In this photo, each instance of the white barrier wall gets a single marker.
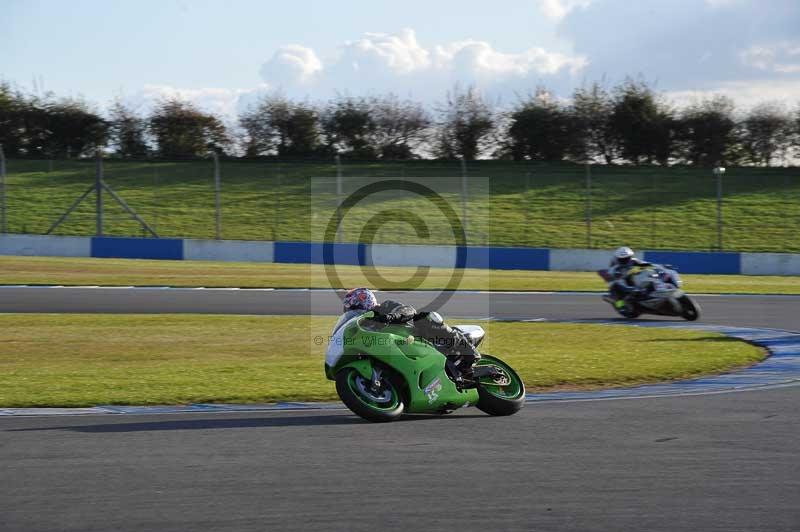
(46, 246)
(229, 250)
(579, 260)
(389, 255)
(770, 264)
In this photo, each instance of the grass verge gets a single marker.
(126, 272)
(89, 359)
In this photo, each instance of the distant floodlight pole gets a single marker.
(719, 171)
(217, 199)
(3, 226)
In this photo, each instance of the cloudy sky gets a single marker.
(223, 54)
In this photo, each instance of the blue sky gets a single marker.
(223, 54)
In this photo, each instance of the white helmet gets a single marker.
(623, 254)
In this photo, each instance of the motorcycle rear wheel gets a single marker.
(496, 399)
(355, 392)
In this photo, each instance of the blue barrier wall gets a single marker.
(519, 259)
(507, 258)
(137, 248)
(318, 253)
(698, 261)
(499, 258)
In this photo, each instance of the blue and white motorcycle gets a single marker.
(657, 291)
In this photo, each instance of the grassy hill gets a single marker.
(509, 204)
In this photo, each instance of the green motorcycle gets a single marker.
(382, 371)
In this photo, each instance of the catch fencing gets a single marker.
(501, 203)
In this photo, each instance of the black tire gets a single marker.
(690, 310)
(501, 404)
(630, 311)
(347, 386)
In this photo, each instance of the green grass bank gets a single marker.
(508, 204)
(91, 359)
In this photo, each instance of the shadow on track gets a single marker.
(207, 424)
(712, 339)
(242, 423)
(633, 321)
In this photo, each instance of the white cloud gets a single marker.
(558, 9)
(480, 59)
(291, 65)
(781, 58)
(399, 53)
(383, 63)
(399, 63)
(746, 94)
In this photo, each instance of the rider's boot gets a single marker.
(461, 360)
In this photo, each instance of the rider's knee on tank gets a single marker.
(449, 341)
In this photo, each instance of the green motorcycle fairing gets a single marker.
(427, 387)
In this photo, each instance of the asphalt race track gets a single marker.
(780, 312)
(723, 462)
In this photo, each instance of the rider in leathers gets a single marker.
(428, 325)
(621, 265)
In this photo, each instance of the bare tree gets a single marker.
(278, 126)
(592, 135)
(796, 133)
(181, 130)
(466, 121)
(766, 133)
(539, 129)
(708, 131)
(400, 126)
(12, 120)
(349, 127)
(127, 131)
(645, 126)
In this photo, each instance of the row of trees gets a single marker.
(632, 123)
(626, 123)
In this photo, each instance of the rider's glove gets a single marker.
(394, 312)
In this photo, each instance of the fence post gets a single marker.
(588, 206)
(464, 197)
(98, 191)
(654, 196)
(3, 220)
(527, 199)
(719, 171)
(276, 195)
(338, 198)
(217, 199)
(156, 202)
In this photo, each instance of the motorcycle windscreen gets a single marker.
(336, 344)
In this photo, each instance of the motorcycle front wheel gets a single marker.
(690, 310)
(502, 395)
(630, 311)
(358, 394)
